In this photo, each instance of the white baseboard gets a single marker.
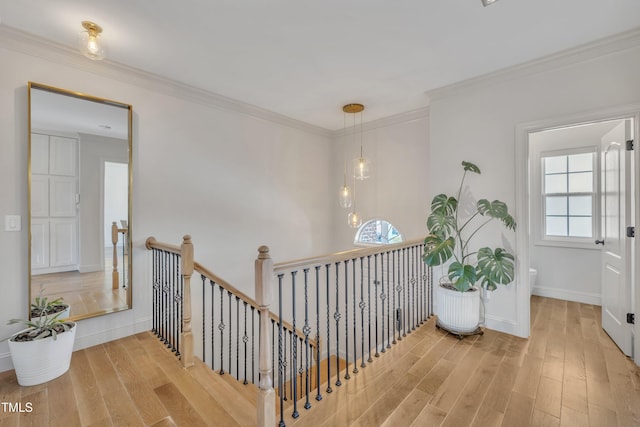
(501, 324)
(90, 268)
(567, 295)
(85, 341)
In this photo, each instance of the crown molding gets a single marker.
(406, 117)
(30, 44)
(606, 46)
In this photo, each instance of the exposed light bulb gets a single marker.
(92, 44)
(354, 220)
(361, 168)
(90, 41)
(345, 196)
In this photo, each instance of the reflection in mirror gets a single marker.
(79, 201)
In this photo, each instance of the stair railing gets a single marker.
(358, 302)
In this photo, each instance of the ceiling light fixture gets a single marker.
(361, 168)
(361, 165)
(90, 40)
(486, 3)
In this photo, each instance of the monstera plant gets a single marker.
(450, 238)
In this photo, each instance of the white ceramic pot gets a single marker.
(458, 311)
(39, 361)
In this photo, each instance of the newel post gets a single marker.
(266, 404)
(115, 275)
(186, 336)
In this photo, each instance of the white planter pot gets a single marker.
(458, 311)
(39, 361)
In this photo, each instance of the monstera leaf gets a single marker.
(463, 276)
(497, 210)
(442, 220)
(495, 267)
(438, 250)
(468, 166)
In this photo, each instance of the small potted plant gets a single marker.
(42, 306)
(469, 270)
(42, 351)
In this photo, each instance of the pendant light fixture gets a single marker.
(361, 164)
(90, 41)
(361, 168)
(345, 191)
(354, 219)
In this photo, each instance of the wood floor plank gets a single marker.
(519, 410)
(39, 416)
(543, 419)
(91, 406)
(63, 411)
(141, 393)
(549, 396)
(572, 418)
(429, 416)
(529, 376)
(182, 413)
(599, 416)
(121, 409)
(408, 410)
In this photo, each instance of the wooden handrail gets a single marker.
(340, 256)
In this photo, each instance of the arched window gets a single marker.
(377, 232)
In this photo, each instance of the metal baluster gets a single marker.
(213, 334)
(230, 330)
(346, 315)
(154, 276)
(280, 355)
(369, 305)
(253, 344)
(405, 312)
(355, 319)
(318, 395)
(306, 331)
(292, 369)
(221, 327)
(375, 299)
(362, 307)
(394, 321)
(383, 298)
(399, 288)
(245, 339)
(238, 338)
(336, 316)
(294, 347)
(284, 366)
(329, 389)
(300, 368)
(416, 290)
(389, 292)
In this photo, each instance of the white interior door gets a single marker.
(616, 213)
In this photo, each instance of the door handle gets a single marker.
(599, 242)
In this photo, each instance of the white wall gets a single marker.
(94, 150)
(477, 121)
(398, 187)
(231, 180)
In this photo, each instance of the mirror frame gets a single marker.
(129, 108)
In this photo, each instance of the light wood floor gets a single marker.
(86, 293)
(568, 373)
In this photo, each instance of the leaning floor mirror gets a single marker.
(80, 183)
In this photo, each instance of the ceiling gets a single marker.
(306, 59)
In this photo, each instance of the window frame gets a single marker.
(569, 241)
(358, 243)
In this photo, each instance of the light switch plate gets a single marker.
(12, 223)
